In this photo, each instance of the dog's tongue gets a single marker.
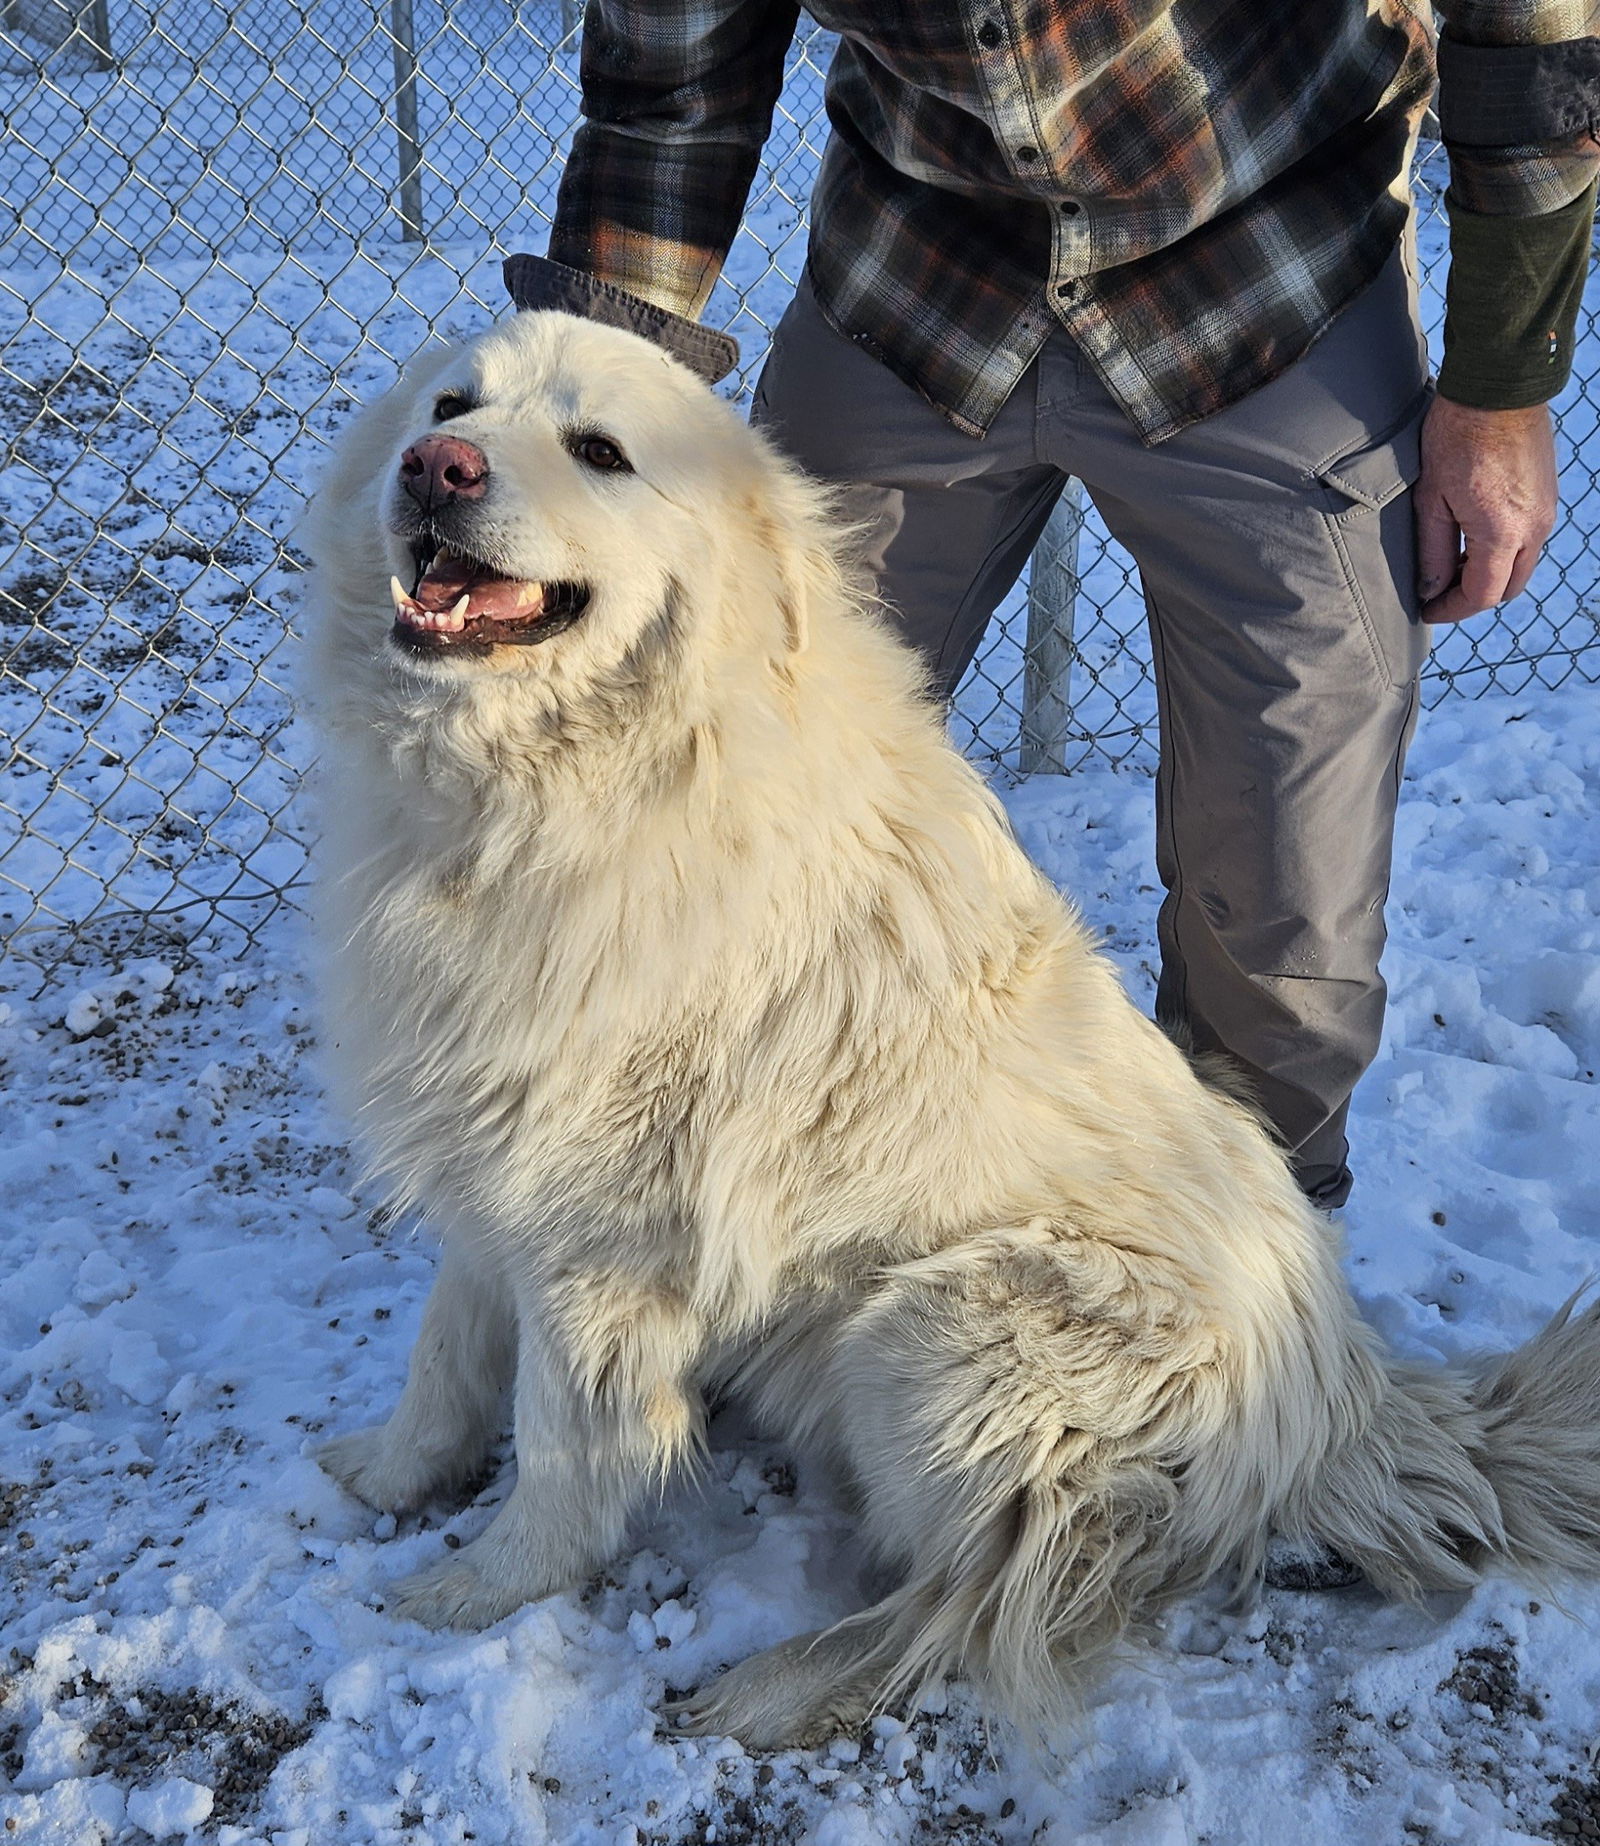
(491, 597)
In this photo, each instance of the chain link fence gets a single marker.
(222, 226)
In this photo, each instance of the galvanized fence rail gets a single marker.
(221, 226)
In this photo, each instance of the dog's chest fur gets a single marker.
(595, 1050)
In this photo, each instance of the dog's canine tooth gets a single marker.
(457, 617)
(408, 610)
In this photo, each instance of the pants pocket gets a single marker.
(1368, 513)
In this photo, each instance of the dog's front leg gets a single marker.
(603, 1410)
(447, 1416)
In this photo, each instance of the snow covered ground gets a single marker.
(191, 1293)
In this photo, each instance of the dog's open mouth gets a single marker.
(458, 602)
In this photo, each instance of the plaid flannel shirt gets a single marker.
(1193, 188)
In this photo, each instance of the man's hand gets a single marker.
(1488, 484)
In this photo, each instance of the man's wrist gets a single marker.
(1510, 416)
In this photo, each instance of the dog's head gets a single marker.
(538, 497)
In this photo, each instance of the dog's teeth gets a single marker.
(458, 614)
(406, 607)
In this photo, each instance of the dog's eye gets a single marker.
(601, 452)
(451, 404)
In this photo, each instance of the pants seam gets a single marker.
(1352, 584)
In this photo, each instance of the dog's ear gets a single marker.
(800, 529)
(785, 559)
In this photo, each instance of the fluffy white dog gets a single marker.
(699, 994)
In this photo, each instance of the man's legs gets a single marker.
(1275, 545)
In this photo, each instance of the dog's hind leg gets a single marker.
(602, 1413)
(447, 1415)
(1022, 1410)
(1017, 1413)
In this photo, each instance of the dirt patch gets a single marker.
(1575, 1812)
(1490, 1677)
(142, 1735)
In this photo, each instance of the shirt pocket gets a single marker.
(1367, 508)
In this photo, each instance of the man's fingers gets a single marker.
(1438, 546)
(1486, 570)
(1488, 480)
(1452, 606)
(1486, 578)
(1522, 571)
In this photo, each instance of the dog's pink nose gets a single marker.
(440, 468)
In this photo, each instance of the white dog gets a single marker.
(698, 992)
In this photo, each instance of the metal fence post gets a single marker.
(1053, 586)
(61, 23)
(98, 14)
(403, 35)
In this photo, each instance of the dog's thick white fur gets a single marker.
(697, 991)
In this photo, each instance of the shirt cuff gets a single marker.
(535, 282)
(1518, 95)
(1512, 301)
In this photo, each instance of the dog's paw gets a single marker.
(779, 1700)
(364, 1464)
(457, 1593)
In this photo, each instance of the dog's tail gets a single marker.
(1429, 1478)
(1461, 1473)
(1011, 1415)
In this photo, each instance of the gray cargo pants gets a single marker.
(1274, 541)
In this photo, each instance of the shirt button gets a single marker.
(989, 35)
(1070, 208)
(1026, 154)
